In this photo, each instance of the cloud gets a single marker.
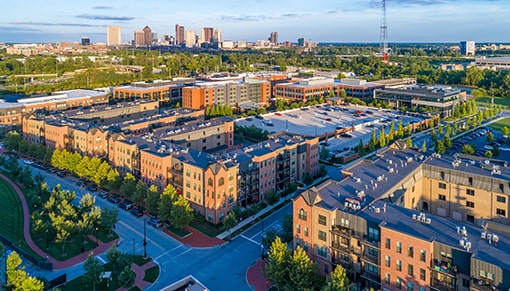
(102, 7)
(56, 24)
(14, 29)
(293, 15)
(104, 17)
(244, 17)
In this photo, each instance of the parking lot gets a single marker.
(321, 120)
(478, 139)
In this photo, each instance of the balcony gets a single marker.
(483, 285)
(345, 248)
(366, 240)
(345, 262)
(444, 267)
(371, 276)
(367, 257)
(443, 286)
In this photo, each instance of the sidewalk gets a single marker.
(140, 274)
(255, 276)
(196, 238)
(57, 265)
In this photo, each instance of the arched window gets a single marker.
(210, 181)
(302, 214)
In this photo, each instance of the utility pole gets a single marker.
(144, 238)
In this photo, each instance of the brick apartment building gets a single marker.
(390, 226)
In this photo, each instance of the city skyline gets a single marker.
(322, 21)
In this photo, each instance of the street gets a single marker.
(219, 268)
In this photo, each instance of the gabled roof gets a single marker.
(311, 196)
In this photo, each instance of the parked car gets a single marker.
(61, 174)
(259, 116)
(91, 188)
(155, 222)
(126, 204)
(137, 212)
(102, 194)
(345, 135)
(113, 199)
(278, 114)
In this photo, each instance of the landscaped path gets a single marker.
(101, 248)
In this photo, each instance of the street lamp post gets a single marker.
(47, 243)
(97, 239)
(144, 238)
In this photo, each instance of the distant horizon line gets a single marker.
(295, 42)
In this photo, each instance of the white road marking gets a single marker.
(245, 237)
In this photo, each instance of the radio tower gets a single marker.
(384, 28)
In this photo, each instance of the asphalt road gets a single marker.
(219, 268)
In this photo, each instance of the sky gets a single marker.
(27, 21)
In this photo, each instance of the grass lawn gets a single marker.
(182, 233)
(72, 248)
(500, 124)
(140, 261)
(11, 224)
(485, 101)
(207, 228)
(151, 274)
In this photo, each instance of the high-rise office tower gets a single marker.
(179, 34)
(273, 37)
(191, 38)
(85, 41)
(113, 35)
(139, 38)
(206, 34)
(467, 48)
(217, 37)
(301, 41)
(147, 35)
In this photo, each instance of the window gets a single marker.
(399, 247)
(482, 274)
(322, 235)
(387, 278)
(302, 214)
(326, 268)
(387, 261)
(470, 204)
(442, 175)
(399, 265)
(306, 230)
(410, 251)
(399, 283)
(501, 212)
(470, 218)
(373, 269)
(388, 243)
(490, 276)
(410, 270)
(305, 246)
(210, 181)
(423, 255)
(442, 186)
(373, 233)
(501, 199)
(470, 181)
(470, 192)
(221, 181)
(373, 252)
(423, 276)
(298, 228)
(409, 286)
(322, 219)
(442, 197)
(322, 251)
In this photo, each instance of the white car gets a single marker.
(488, 147)
(504, 149)
(28, 162)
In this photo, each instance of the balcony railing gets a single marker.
(443, 286)
(376, 278)
(482, 285)
(370, 258)
(444, 267)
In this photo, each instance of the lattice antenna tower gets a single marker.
(384, 31)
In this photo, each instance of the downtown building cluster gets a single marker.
(404, 220)
(178, 147)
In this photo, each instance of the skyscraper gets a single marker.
(85, 41)
(217, 37)
(273, 38)
(301, 41)
(191, 38)
(113, 36)
(139, 38)
(467, 48)
(179, 34)
(206, 34)
(147, 35)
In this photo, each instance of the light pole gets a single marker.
(97, 239)
(262, 242)
(144, 238)
(47, 243)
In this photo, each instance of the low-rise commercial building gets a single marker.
(162, 90)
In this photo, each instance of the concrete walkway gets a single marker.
(57, 265)
(140, 274)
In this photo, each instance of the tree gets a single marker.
(127, 277)
(373, 141)
(229, 222)
(440, 147)
(324, 153)
(391, 133)
(468, 149)
(118, 259)
(360, 148)
(166, 202)
(447, 141)
(490, 137)
(409, 142)
(505, 130)
(268, 237)
(182, 213)
(400, 129)
(17, 277)
(128, 185)
(272, 197)
(277, 268)
(109, 216)
(488, 154)
(152, 198)
(424, 146)
(92, 270)
(302, 270)
(140, 192)
(337, 280)
(287, 228)
(113, 180)
(382, 137)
